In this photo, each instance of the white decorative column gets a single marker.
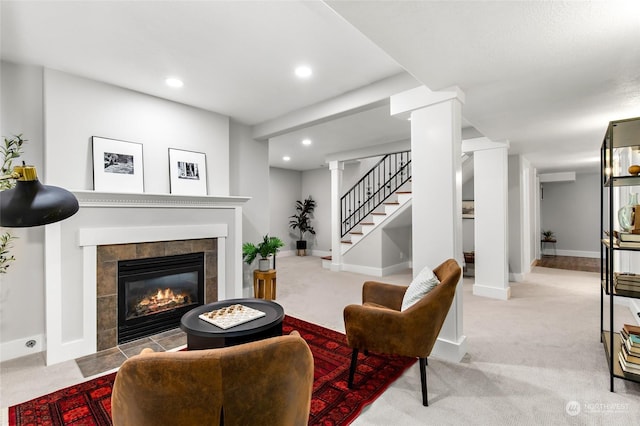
(436, 166)
(490, 169)
(336, 167)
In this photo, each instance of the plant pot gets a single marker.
(263, 264)
(301, 247)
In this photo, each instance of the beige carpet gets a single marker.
(528, 357)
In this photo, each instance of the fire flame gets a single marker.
(162, 299)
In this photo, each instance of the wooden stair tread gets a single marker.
(326, 258)
(367, 223)
(346, 242)
(356, 233)
(391, 203)
(403, 192)
(379, 213)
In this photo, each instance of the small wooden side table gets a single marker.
(264, 284)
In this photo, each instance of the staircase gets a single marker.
(381, 192)
(396, 202)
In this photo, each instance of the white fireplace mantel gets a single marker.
(115, 218)
(121, 199)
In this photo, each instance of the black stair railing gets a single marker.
(389, 174)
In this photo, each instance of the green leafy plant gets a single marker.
(11, 150)
(548, 235)
(267, 247)
(301, 221)
(5, 257)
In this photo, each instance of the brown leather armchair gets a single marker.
(378, 325)
(263, 382)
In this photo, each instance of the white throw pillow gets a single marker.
(422, 284)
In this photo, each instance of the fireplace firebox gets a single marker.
(154, 293)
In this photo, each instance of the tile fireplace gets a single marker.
(145, 288)
(81, 255)
(154, 293)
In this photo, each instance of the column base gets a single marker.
(450, 351)
(492, 292)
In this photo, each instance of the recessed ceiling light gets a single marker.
(306, 142)
(286, 158)
(303, 71)
(174, 82)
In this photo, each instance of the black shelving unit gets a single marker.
(622, 137)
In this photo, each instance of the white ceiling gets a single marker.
(546, 76)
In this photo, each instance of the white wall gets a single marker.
(571, 210)
(355, 170)
(59, 113)
(534, 214)
(317, 184)
(515, 222)
(285, 187)
(77, 109)
(249, 175)
(396, 246)
(22, 112)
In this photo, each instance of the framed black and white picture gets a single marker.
(117, 165)
(187, 172)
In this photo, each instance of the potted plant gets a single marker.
(267, 247)
(301, 221)
(548, 235)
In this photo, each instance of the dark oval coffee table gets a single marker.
(204, 335)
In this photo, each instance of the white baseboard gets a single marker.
(286, 253)
(18, 348)
(397, 268)
(492, 292)
(516, 277)
(318, 253)
(359, 269)
(376, 271)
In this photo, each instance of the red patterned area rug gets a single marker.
(332, 403)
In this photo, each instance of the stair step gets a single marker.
(356, 233)
(346, 242)
(326, 258)
(403, 192)
(379, 213)
(367, 223)
(391, 203)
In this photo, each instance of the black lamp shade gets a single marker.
(31, 203)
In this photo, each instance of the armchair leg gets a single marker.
(423, 379)
(352, 368)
